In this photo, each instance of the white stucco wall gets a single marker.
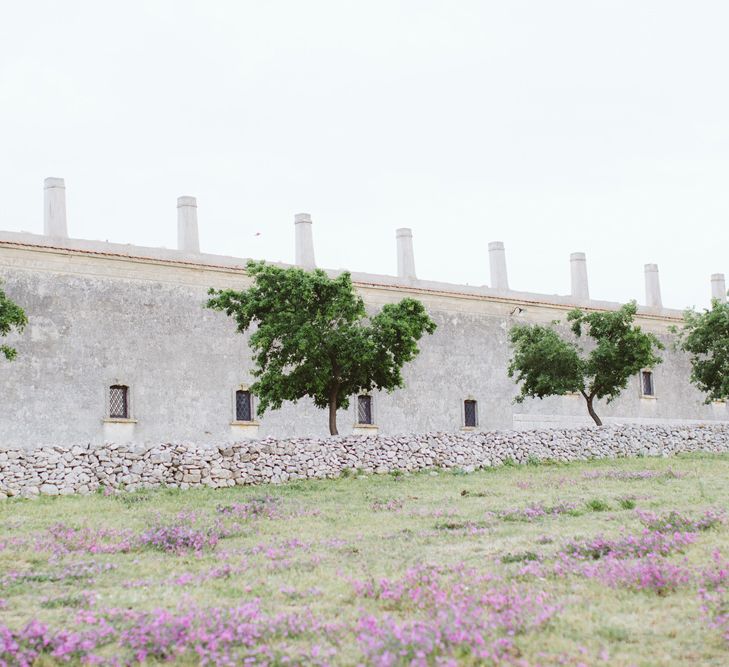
(103, 314)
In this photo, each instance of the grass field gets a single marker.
(608, 562)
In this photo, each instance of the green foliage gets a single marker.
(312, 337)
(621, 349)
(73, 601)
(597, 505)
(548, 365)
(627, 503)
(520, 557)
(11, 316)
(705, 337)
(544, 363)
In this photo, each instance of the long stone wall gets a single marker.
(84, 469)
(98, 320)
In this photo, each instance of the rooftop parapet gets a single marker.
(56, 238)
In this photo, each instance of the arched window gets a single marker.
(243, 406)
(119, 401)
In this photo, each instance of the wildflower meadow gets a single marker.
(622, 562)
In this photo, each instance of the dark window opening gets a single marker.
(243, 407)
(364, 409)
(469, 414)
(647, 382)
(118, 402)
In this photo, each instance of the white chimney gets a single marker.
(718, 287)
(405, 254)
(497, 264)
(304, 241)
(578, 276)
(652, 287)
(187, 234)
(54, 208)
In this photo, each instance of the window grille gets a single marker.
(364, 409)
(243, 407)
(647, 383)
(469, 414)
(118, 402)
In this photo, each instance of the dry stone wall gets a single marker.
(83, 469)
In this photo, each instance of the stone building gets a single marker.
(120, 348)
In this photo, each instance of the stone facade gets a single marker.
(104, 315)
(67, 470)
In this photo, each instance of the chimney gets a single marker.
(304, 241)
(718, 287)
(497, 264)
(54, 208)
(578, 276)
(652, 287)
(405, 254)
(187, 236)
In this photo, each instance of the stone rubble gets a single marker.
(83, 469)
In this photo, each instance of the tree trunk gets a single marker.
(333, 411)
(591, 409)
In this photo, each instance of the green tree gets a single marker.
(11, 317)
(312, 337)
(548, 365)
(705, 337)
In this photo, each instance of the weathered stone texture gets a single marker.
(104, 314)
(83, 469)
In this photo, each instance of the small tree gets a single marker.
(548, 365)
(705, 337)
(11, 316)
(313, 337)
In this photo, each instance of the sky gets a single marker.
(593, 126)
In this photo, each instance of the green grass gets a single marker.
(345, 534)
(597, 505)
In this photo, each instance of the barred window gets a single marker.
(364, 409)
(243, 406)
(469, 413)
(118, 401)
(646, 380)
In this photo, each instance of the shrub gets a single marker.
(474, 494)
(178, 538)
(651, 573)
(675, 521)
(597, 505)
(394, 505)
(519, 557)
(626, 503)
(453, 612)
(266, 507)
(538, 511)
(630, 546)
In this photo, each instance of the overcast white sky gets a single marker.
(556, 127)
